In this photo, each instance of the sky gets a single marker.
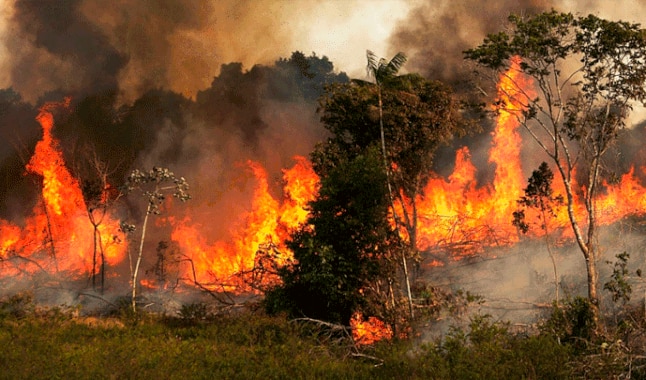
(183, 48)
(181, 45)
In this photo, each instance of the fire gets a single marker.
(456, 212)
(369, 331)
(268, 221)
(457, 215)
(59, 227)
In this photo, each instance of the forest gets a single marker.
(292, 221)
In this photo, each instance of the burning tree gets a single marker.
(99, 196)
(153, 185)
(588, 72)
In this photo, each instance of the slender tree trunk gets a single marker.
(550, 252)
(139, 255)
(51, 237)
(94, 263)
(585, 243)
(102, 256)
(392, 200)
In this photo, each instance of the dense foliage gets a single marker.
(344, 250)
(349, 253)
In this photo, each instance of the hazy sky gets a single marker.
(181, 44)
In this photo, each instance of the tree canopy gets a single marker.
(349, 255)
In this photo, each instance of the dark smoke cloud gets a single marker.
(87, 46)
(64, 50)
(435, 34)
(266, 114)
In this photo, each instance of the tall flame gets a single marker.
(268, 221)
(59, 226)
(455, 213)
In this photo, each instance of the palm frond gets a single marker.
(395, 64)
(373, 64)
(381, 68)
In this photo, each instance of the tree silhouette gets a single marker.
(153, 185)
(539, 196)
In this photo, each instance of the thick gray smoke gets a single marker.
(516, 283)
(65, 50)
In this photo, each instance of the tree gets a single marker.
(413, 117)
(153, 185)
(540, 196)
(301, 77)
(343, 250)
(382, 70)
(587, 73)
(99, 195)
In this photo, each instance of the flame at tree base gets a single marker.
(455, 215)
(369, 331)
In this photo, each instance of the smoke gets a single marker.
(85, 46)
(65, 51)
(435, 34)
(517, 283)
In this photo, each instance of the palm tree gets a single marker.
(382, 70)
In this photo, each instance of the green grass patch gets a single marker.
(54, 345)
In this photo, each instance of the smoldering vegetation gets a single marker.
(517, 283)
(266, 114)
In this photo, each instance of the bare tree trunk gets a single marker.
(139, 255)
(94, 247)
(102, 256)
(551, 253)
(392, 200)
(51, 237)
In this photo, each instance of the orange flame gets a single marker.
(454, 213)
(268, 220)
(369, 331)
(457, 214)
(59, 227)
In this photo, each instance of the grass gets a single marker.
(52, 344)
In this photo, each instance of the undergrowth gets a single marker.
(195, 344)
